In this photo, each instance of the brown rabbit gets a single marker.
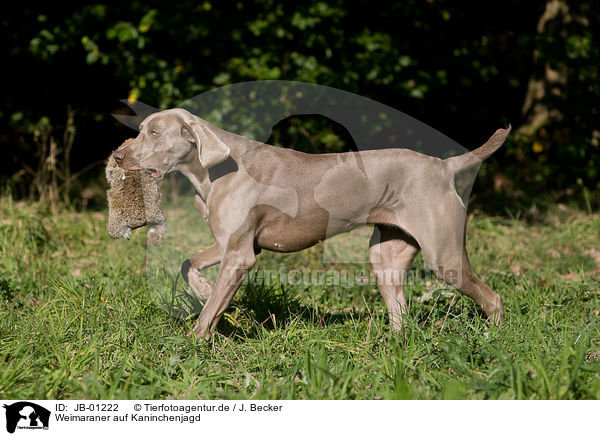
(133, 202)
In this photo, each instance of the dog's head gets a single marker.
(167, 139)
(133, 202)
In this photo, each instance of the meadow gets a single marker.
(83, 316)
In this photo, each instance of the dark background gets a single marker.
(464, 68)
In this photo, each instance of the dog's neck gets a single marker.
(203, 178)
(197, 175)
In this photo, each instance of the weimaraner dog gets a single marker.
(256, 196)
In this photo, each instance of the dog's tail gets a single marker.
(472, 158)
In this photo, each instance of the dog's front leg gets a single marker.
(190, 270)
(234, 268)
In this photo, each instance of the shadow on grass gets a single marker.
(258, 306)
(273, 306)
(261, 306)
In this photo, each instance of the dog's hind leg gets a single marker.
(443, 245)
(391, 252)
(460, 274)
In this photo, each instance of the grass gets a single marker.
(85, 316)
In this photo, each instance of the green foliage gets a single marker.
(464, 71)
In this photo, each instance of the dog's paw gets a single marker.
(202, 333)
(201, 287)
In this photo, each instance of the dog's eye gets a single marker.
(154, 132)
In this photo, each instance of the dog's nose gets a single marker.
(119, 156)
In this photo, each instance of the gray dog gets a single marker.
(256, 196)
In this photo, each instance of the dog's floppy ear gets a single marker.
(211, 150)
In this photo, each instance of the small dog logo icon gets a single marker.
(26, 415)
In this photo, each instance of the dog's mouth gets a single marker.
(154, 173)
